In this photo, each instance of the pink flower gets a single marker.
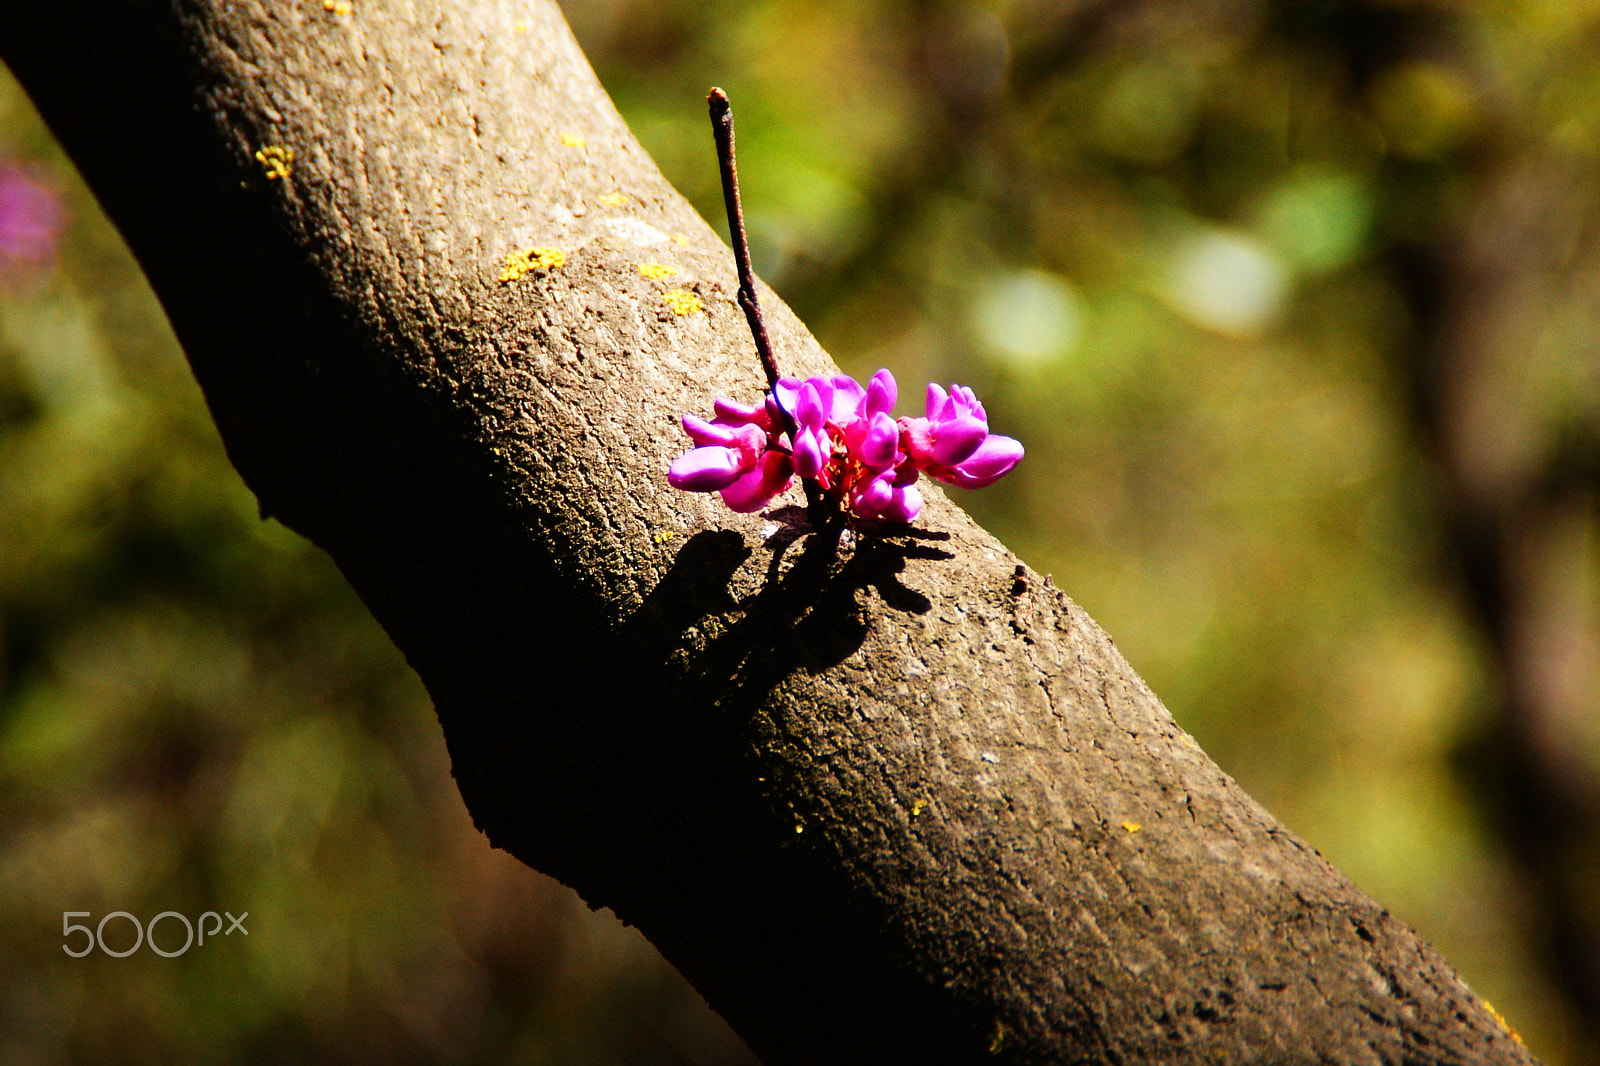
(724, 454)
(953, 443)
(31, 218)
(756, 488)
(812, 445)
(991, 461)
(846, 440)
(732, 458)
(890, 495)
(956, 425)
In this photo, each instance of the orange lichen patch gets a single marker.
(520, 264)
(1132, 827)
(918, 807)
(338, 7)
(613, 199)
(1497, 1016)
(663, 537)
(678, 238)
(574, 140)
(682, 302)
(657, 271)
(275, 161)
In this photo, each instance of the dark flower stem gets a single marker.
(822, 514)
(722, 130)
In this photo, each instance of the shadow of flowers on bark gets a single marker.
(727, 652)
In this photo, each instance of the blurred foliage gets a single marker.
(1202, 258)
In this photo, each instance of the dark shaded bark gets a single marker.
(895, 801)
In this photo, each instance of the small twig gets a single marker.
(722, 130)
(818, 507)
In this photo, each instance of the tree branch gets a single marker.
(905, 804)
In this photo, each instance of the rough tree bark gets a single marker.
(898, 803)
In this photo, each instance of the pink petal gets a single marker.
(966, 400)
(871, 498)
(918, 436)
(881, 442)
(749, 442)
(705, 469)
(735, 414)
(702, 432)
(992, 461)
(809, 409)
(785, 393)
(956, 440)
(756, 488)
(809, 453)
(892, 496)
(847, 396)
(904, 505)
(881, 394)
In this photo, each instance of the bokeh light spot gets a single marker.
(1029, 316)
(1318, 220)
(1425, 110)
(1227, 283)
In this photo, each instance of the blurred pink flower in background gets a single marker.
(31, 219)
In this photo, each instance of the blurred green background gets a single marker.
(1295, 305)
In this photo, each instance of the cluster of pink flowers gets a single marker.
(847, 442)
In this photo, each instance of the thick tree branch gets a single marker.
(905, 803)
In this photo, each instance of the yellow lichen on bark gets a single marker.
(682, 302)
(1497, 1016)
(275, 160)
(520, 264)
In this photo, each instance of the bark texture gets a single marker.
(900, 801)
